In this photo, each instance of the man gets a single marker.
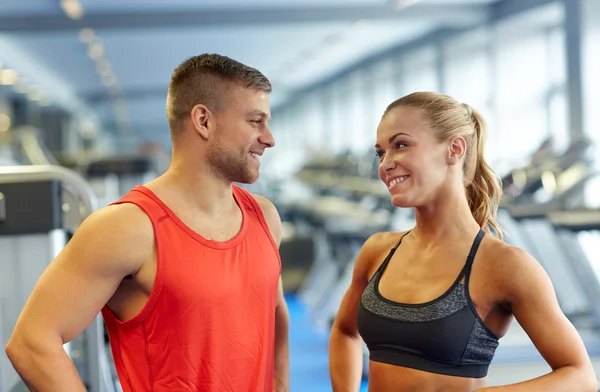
(185, 269)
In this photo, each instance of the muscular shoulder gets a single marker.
(267, 207)
(513, 270)
(120, 234)
(123, 219)
(271, 216)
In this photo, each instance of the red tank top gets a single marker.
(209, 323)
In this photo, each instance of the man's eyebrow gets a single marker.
(259, 113)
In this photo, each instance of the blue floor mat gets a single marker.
(308, 352)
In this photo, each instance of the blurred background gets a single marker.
(82, 120)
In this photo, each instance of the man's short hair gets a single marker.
(202, 79)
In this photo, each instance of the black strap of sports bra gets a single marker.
(466, 269)
(391, 253)
(472, 254)
(399, 241)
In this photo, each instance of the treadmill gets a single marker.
(527, 219)
(112, 177)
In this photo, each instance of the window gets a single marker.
(591, 76)
(335, 117)
(382, 91)
(419, 71)
(523, 87)
(357, 132)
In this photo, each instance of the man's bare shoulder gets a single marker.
(265, 204)
(120, 232)
(271, 216)
(124, 217)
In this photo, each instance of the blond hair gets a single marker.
(449, 118)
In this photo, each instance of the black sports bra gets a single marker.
(444, 336)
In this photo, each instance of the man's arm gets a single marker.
(282, 319)
(282, 350)
(111, 244)
(529, 291)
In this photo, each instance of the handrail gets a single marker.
(32, 173)
(34, 150)
(99, 376)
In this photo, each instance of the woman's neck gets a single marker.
(445, 219)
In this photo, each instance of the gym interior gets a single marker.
(83, 85)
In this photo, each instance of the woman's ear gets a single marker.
(456, 150)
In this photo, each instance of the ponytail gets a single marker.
(484, 190)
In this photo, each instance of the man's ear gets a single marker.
(201, 118)
(457, 148)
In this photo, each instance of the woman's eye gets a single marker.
(400, 145)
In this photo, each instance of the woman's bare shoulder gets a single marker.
(375, 248)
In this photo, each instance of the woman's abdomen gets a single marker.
(384, 377)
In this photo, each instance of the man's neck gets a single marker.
(200, 190)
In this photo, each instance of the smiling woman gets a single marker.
(447, 119)
(432, 303)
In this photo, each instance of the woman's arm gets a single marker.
(345, 343)
(530, 294)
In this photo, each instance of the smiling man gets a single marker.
(186, 268)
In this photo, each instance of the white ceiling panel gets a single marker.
(353, 45)
(150, 5)
(20, 7)
(65, 55)
(295, 43)
(143, 59)
(446, 2)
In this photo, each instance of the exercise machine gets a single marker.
(112, 177)
(40, 207)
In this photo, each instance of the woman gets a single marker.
(432, 303)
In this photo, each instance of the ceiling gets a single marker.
(136, 44)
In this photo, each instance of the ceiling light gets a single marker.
(114, 90)
(87, 35)
(4, 123)
(21, 87)
(103, 67)
(35, 94)
(549, 182)
(72, 8)
(8, 77)
(406, 3)
(109, 79)
(95, 50)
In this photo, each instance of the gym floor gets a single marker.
(308, 352)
